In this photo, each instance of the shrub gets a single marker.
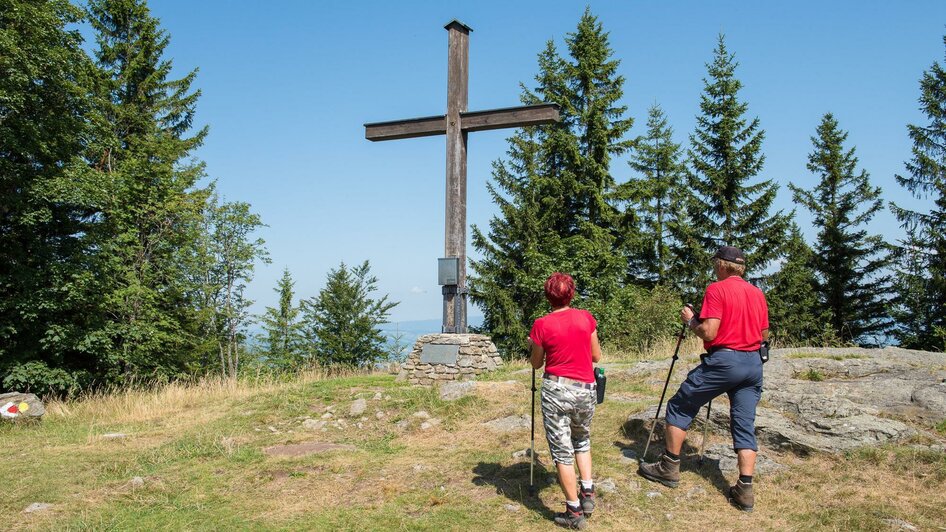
(38, 378)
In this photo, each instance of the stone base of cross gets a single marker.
(456, 124)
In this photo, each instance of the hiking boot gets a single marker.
(587, 499)
(666, 471)
(571, 518)
(741, 496)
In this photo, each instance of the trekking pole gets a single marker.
(673, 361)
(705, 425)
(532, 444)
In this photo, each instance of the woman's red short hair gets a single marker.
(559, 289)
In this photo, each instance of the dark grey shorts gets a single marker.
(566, 414)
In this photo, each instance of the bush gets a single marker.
(38, 378)
(637, 317)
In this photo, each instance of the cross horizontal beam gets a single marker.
(509, 117)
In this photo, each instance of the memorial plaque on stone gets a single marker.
(439, 354)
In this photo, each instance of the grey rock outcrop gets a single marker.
(836, 399)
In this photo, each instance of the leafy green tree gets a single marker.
(283, 338)
(850, 265)
(152, 203)
(235, 254)
(654, 198)
(921, 305)
(795, 314)
(48, 306)
(555, 194)
(725, 156)
(342, 323)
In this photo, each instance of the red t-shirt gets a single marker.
(742, 313)
(566, 338)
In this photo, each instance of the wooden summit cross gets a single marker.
(455, 125)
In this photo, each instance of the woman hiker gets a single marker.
(566, 341)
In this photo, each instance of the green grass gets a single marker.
(811, 375)
(201, 454)
(941, 427)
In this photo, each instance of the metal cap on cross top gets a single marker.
(455, 125)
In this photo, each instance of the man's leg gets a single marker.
(675, 437)
(746, 458)
(743, 402)
(702, 384)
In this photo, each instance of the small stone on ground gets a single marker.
(136, 482)
(653, 494)
(606, 486)
(313, 424)
(900, 524)
(429, 424)
(114, 436)
(422, 414)
(510, 423)
(512, 507)
(38, 507)
(452, 391)
(358, 407)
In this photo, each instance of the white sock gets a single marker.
(587, 484)
(573, 504)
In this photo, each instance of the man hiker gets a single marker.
(566, 341)
(733, 323)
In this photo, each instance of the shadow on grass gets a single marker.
(513, 483)
(636, 431)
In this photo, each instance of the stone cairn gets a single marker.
(438, 358)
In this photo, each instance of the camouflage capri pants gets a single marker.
(566, 413)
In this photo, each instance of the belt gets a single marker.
(569, 382)
(718, 348)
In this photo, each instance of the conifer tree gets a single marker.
(47, 303)
(283, 338)
(727, 207)
(554, 193)
(152, 204)
(921, 304)
(795, 314)
(850, 264)
(654, 198)
(342, 323)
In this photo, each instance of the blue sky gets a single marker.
(288, 85)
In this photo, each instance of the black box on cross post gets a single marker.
(448, 271)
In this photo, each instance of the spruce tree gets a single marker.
(653, 199)
(921, 303)
(554, 193)
(283, 338)
(342, 323)
(48, 307)
(152, 204)
(849, 263)
(728, 206)
(795, 313)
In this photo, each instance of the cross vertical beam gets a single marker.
(456, 125)
(458, 61)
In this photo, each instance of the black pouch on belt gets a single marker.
(764, 352)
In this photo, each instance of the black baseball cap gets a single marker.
(731, 254)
